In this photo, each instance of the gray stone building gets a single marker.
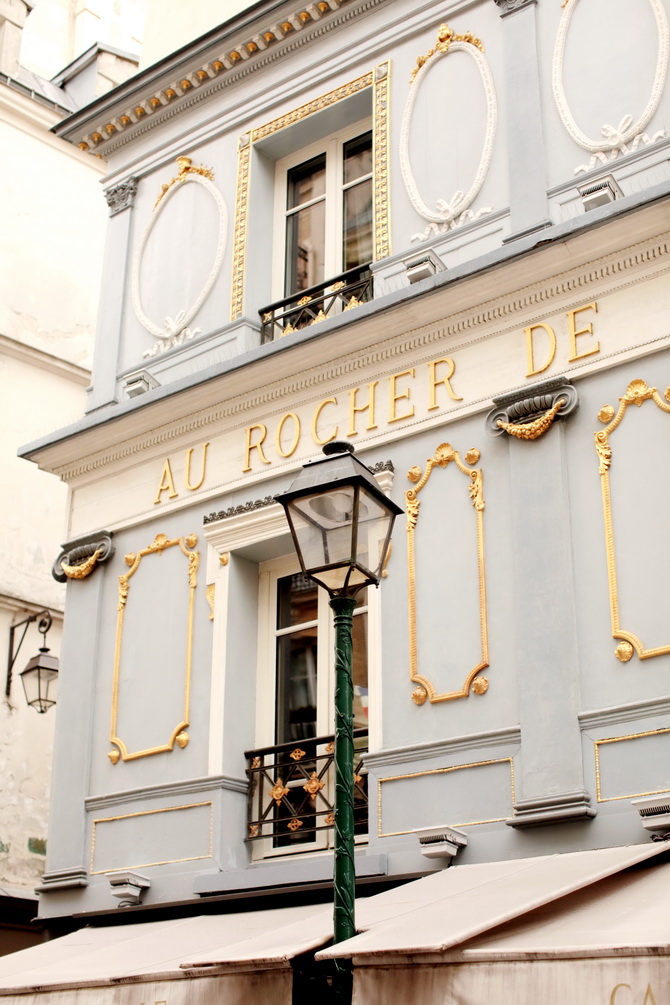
(440, 232)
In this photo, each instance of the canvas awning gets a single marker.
(576, 927)
(584, 927)
(230, 958)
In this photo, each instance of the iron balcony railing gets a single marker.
(317, 303)
(291, 789)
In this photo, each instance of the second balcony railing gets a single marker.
(317, 303)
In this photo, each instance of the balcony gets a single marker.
(308, 307)
(291, 790)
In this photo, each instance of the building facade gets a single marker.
(49, 198)
(440, 233)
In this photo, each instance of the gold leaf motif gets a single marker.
(357, 779)
(294, 825)
(297, 754)
(185, 164)
(182, 739)
(604, 451)
(445, 37)
(256, 762)
(473, 455)
(532, 430)
(480, 685)
(253, 831)
(624, 652)
(637, 392)
(329, 748)
(191, 540)
(329, 820)
(210, 594)
(83, 570)
(304, 301)
(279, 791)
(606, 413)
(414, 474)
(419, 695)
(114, 756)
(353, 302)
(129, 559)
(314, 784)
(319, 317)
(444, 453)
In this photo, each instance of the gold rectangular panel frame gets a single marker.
(149, 813)
(622, 739)
(379, 81)
(445, 771)
(133, 561)
(444, 454)
(636, 394)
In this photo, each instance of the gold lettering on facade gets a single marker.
(296, 434)
(575, 332)
(649, 996)
(315, 422)
(187, 477)
(255, 446)
(615, 990)
(354, 409)
(166, 483)
(435, 381)
(396, 396)
(532, 369)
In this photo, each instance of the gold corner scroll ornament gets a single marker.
(84, 569)
(532, 430)
(445, 37)
(636, 394)
(185, 168)
(445, 454)
(133, 561)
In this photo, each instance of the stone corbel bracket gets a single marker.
(528, 413)
(79, 558)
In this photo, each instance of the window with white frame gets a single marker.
(295, 711)
(323, 210)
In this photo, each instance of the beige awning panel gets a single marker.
(446, 909)
(247, 955)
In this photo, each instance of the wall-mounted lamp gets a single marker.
(40, 678)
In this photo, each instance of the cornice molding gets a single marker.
(614, 716)
(618, 270)
(164, 790)
(121, 120)
(510, 737)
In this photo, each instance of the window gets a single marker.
(293, 785)
(324, 218)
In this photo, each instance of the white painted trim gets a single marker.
(179, 324)
(614, 137)
(449, 210)
(332, 147)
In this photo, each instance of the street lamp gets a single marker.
(40, 678)
(341, 523)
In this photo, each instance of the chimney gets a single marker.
(13, 14)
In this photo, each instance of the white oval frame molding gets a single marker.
(459, 203)
(174, 327)
(614, 137)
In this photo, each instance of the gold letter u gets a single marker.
(187, 478)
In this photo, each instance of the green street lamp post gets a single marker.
(341, 523)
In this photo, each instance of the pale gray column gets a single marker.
(527, 168)
(551, 787)
(113, 296)
(67, 848)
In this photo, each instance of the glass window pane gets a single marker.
(305, 248)
(306, 181)
(296, 685)
(357, 158)
(297, 600)
(360, 670)
(357, 232)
